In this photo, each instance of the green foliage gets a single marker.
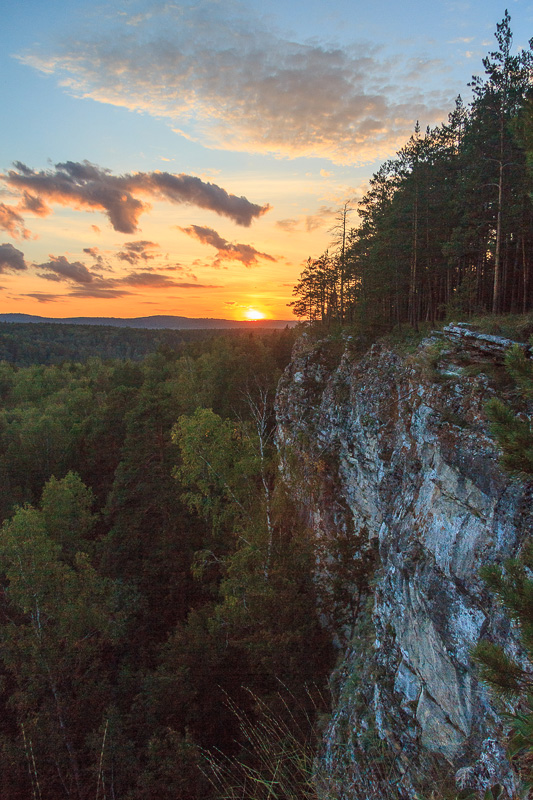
(116, 661)
(219, 462)
(66, 510)
(521, 370)
(25, 344)
(446, 225)
(512, 583)
(498, 669)
(266, 607)
(61, 622)
(513, 431)
(514, 436)
(172, 770)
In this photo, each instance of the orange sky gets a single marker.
(188, 157)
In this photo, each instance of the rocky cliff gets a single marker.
(398, 477)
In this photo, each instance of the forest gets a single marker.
(154, 574)
(24, 344)
(446, 226)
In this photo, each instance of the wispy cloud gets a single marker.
(222, 77)
(121, 287)
(227, 251)
(135, 252)
(149, 280)
(88, 186)
(309, 222)
(12, 223)
(84, 282)
(100, 259)
(44, 297)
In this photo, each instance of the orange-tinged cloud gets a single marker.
(60, 268)
(11, 259)
(12, 223)
(84, 282)
(88, 186)
(226, 80)
(133, 252)
(226, 251)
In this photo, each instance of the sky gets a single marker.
(187, 158)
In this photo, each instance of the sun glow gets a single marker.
(253, 314)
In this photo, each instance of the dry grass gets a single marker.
(277, 760)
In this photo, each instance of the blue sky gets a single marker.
(291, 106)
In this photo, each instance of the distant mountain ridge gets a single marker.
(154, 322)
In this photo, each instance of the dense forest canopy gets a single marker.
(27, 343)
(446, 227)
(154, 573)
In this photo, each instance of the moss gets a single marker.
(518, 327)
(450, 417)
(405, 340)
(342, 393)
(496, 373)
(427, 361)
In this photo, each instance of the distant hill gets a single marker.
(155, 322)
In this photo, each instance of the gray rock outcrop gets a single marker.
(398, 477)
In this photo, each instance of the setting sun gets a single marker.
(253, 314)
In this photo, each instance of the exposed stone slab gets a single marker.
(463, 334)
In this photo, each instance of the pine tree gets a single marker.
(512, 583)
(447, 224)
(513, 431)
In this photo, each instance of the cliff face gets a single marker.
(399, 480)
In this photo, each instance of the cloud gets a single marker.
(12, 222)
(146, 279)
(93, 251)
(155, 281)
(188, 188)
(310, 222)
(34, 205)
(11, 259)
(88, 186)
(120, 287)
(85, 283)
(287, 225)
(320, 218)
(58, 268)
(101, 259)
(101, 293)
(175, 268)
(133, 252)
(44, 297)
(226, 251)
(225, 79)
